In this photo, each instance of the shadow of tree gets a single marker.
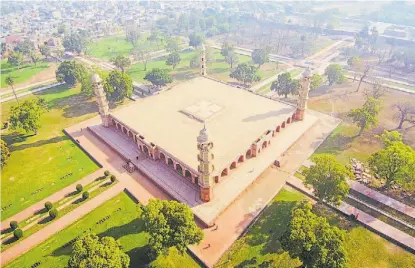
(270, 226)
(38, 143)
(335, 143)
(117, 232)
(183, 76)
(15, 137)
(139, 256)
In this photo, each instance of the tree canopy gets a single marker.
(231, 58)
(245, 73)
(92, 251)
(195, 40)
(121, 62)
(260, 56)
(26, 115)
(285, 85)
(132, 34)
(173, 45)
(70, 72)
(158, 77)
(328, 179)
(45, 51)
(335, 74)
(5, 153)
(366, 115)
(316, 81)
(173, 59)
(226, 47)
(26, 47)
(312, 239)
(170, 224)
(118, 86)
(75, 42)
(15, 59)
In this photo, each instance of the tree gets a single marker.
(231, 58)
(18, 233)
(121, 62)
(85, 195)
(388, 137)
(10, 81)
(195, 40)
(311, 239)
(377, 90)
(132, 34)
(245, 73)
(316, 81)
(79, 187)
(26, 47)
(70, 72)
(226, 48)
(366, 71)
(59, 54)
(172, 45)
(158, 77)
(93, 251)
(328, 178)
(156, 37)
(118, 86)
(75, 43)
(5, 153)
(170, 224)
(334, 74)
(285, 85)
(365, 116)
(260, 56)
(45, 51)
(173, 59)
(15, 59)
(53, 213)
(26, 116)
(355, 64)
(35, 58)
(393, 163)
(48, 205)
(406, 113)
(14, 225)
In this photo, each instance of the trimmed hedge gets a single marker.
(85, 195)
(14, 225)
(18, 233)
(106, 173)
(79, 188)
(53, 213)
(48, 205)
(113, 178)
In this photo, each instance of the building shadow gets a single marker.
(38, 143)
(268, 114)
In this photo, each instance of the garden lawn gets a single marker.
(24, 73)
(38, 163)
(260, 247)
(124, 224)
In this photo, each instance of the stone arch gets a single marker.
(124, 130)
(233, 165)
(145, 149)
(187, 174)
(241, 159)
(196, 180)
(292, 117)
(224, 172)
(179, 168)
(248, 154)
(283, 124)
(170, 162)
(288, 120)
(278, 129)
(162, 157)
(264, 145)
(130, 134)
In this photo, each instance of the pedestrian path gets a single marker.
(371, 222)
(30, 211)
(386, 200)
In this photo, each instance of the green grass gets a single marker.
(267, 88)
(22, 74)
(27, 89)
(260, 247)
(125, 225)
(108, 47)
(40, 161)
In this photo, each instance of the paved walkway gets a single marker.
(28, 86)
(30, 92)
(30, 211)
(393, 203)
(379, 226)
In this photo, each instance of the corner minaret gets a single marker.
(205, 167)
(102, 102)
(203, 61)
(303, 95)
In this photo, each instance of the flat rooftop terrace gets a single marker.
(234, 118)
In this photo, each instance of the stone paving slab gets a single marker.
(391, 202)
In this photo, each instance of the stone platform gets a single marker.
(224, 192)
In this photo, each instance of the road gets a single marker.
(30, 91)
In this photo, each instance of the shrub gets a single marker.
(106, 173)
(85, 195)
(14, 225)
(53, 213)
(79, 188)
(113, 178)
(48, 205)
(18, 233)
